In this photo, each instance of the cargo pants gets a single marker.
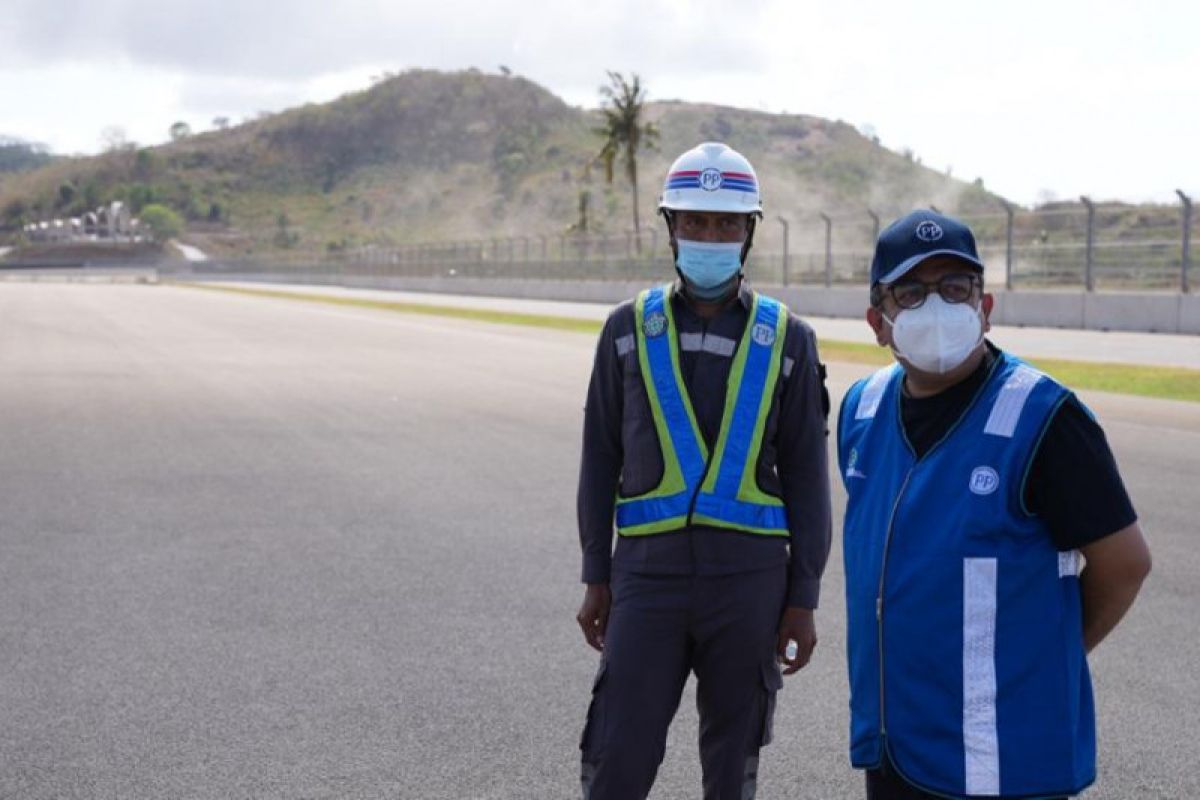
(723, 628)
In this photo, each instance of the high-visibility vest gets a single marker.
(964, 623)
(718, 489)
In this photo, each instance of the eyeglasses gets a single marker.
(953, 288)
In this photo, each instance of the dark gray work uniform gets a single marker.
(702, 599)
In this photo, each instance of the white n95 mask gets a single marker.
(936, 336)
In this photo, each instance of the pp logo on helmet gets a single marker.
(929, 231)
(711, 180)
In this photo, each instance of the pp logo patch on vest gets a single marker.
(984, 480)
(929, 231)
(763, 334)
(710, 179)
(655, 325)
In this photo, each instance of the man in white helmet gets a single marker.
(704, 441)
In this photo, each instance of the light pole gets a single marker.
(1088, 278)
(1009, 266)
(1187, 240)
(874, 226)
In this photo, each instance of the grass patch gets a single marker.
(475, 314)
(1171, 383)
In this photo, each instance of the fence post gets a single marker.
(1088, 278)
(1009, 266)
(828, 249)
(786, 256)
(874, 237)
(1187, 240)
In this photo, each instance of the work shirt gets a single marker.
(792, 465)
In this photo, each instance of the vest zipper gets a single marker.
(887, 542)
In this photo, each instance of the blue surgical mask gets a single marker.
(708, 267)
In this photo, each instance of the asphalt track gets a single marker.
(254, 547)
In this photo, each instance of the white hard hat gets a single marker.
(711, 177)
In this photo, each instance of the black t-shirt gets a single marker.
(1073, 484)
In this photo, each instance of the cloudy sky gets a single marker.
(1040, 98)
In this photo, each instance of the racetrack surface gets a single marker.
(252, 547)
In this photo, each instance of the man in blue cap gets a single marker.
(989, 543)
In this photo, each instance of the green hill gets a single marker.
(20, 156)
(431, 156)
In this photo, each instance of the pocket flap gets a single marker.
(771, 676)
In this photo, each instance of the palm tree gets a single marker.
(624, 132)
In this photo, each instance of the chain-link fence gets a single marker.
(1068, 245)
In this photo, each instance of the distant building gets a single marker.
(112, 222)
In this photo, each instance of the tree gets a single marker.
(66, 195)
(624, 132)
(161, 222)
(220, 123)
(284, 238)
(114, 139)
(180, 130)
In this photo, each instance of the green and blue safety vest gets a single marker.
(718, 489)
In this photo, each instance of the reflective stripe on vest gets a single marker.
(722, 492)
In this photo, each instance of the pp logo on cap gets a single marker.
(929, 231)
(710, 179)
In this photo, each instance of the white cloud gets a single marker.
(1073, 96)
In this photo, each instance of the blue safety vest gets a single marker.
(718, 489)
(965, 633)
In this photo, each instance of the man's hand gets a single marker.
(1115, 568)
(593, 614)
(797, 626)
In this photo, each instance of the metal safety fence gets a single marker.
(1086, 245)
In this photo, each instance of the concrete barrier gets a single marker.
(817, 301)
(1049, 309)
(1189, 313)
(80, 275)
(1154, 312)
(1146, 311)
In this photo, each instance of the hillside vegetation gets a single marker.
(19, 156)
(431, 156)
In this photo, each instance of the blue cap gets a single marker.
(916, 237)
